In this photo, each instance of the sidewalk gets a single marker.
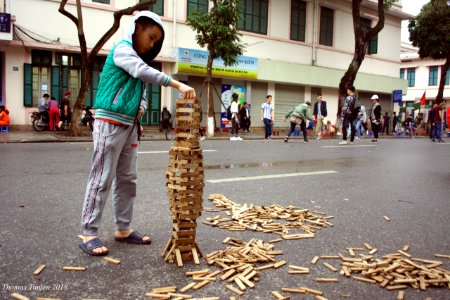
(25, 134)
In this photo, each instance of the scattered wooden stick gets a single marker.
(74, 268)
(39, 270)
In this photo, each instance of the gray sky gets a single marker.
(411, 7)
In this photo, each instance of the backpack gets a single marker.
(229, 114)
(354, 106)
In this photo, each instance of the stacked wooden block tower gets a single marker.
(185, 182)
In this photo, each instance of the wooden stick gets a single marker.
(164, 290)
(405, 248)
(311, 291)
(289, 290)
(111, 260)
(188, 287)
(315, 259)
(39, 270)
(401, 295)
(386, 218)
(330, 267)
(158, 296)
(368, 246)
(442, 256)
(234, 290)
(19, 296)
(74, 268)
(326, 280)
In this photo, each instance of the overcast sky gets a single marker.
(411, 7)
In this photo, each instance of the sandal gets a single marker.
(89, 247)
(134, 238)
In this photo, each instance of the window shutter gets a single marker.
(55, 89)
(28, 85)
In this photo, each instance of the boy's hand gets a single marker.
(140, 112)
(187, 91)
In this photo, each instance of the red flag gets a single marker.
(423, 99)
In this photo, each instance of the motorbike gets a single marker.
(40, 122)
(88, 118)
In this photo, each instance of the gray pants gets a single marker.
(114, 167)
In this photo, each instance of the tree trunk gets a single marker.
(444, 69)
(209, 95)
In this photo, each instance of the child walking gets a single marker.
(120, 102)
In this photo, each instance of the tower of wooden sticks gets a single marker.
(185, 182)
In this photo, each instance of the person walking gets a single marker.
(66, 110)
(298, 116)
(394, 123)
(119, 104)
(386, 121)
(350, 112)
(166, 117)
(4, 116)
(235, 118)
(431, 123)
(244, 117)
(375, 118)
(267, 116)
(53, 111)
(320, 113)
(437, 107)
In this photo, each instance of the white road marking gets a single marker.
(166, 151)
(350, 146)
(270, 176)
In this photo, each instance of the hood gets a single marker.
(152, 53)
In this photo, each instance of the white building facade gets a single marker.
(296, 49)
(422, 76)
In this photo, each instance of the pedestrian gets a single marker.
(4, 116)
(235, 118)
(66, 110)
(394, 123)
(409, 126)
(119, 104)
(320, 113)
(244, 117)
(350, 112)
(43, 106)
(360, 121)
(298, 116)
(267, 116)
(375, 118)
(431, 123)
(166, 117)
(386, 121)
(53, 111)
(437, 107)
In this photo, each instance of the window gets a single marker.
(402, 73)
(102, 1)
(432, 79)
(41, 57)
(366, 24)
(326, 26)
(157, 7)
(411, 77)
(68, 59)
(40, 83)
(254, 15)
(298, 20)
(197, 5)
(447, 77)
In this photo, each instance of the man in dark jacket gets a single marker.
(375, 118)
(320, 113)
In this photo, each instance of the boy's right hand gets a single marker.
(187, 91)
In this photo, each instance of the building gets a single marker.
(423, 76)
(295, 49)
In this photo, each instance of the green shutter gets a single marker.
(56, 78)
(27, 85)
(373, 45)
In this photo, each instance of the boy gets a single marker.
(267, 116)
(299, 115)
(119, 103)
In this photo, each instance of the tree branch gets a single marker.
(63, 11)
(117, 16)
(372, 32)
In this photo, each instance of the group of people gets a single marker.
(55, 113)
(240, 118)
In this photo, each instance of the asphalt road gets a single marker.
(42, 189)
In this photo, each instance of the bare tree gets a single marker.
(88, 59)
(362, 42)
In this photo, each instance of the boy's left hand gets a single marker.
(140, 112)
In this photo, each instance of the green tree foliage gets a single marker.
(216, 30)
(430, 32)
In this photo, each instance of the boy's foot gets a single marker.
(343, 143)
(285, 140)
(131, 237)
(305, 142)
(92, 245)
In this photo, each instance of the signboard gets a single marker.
(5, 23)
(195, 61)
(397, 96)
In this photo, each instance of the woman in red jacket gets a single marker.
(4, 118)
